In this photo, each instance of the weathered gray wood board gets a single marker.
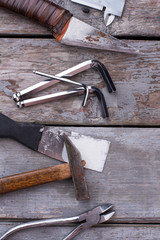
(112, 232)
(130, 180)
(137, 79)
(140, 18)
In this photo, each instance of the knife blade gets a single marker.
(49, 141)
(66, 28)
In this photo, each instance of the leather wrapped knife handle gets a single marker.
(26, 133)
(33, 178)
(45, 11)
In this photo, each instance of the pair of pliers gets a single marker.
(91, 218)
(21, 97)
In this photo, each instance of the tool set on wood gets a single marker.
(21, 97)
(52, 141)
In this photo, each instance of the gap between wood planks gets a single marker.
(110, 224)
(50, 36)
(105, 126)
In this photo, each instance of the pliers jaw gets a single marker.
(91, 218)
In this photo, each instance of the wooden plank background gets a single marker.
(140, 18)
(137, 79)
(112, 232)
(131, 179)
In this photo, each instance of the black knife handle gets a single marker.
(26, 133)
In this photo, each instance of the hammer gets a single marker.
(72, 169)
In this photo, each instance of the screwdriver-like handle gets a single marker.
(33, 178)
(26, 133)
(45, 11)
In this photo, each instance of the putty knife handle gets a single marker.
(33, 178)
(25, 133)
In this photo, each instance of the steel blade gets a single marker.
(93, 150)
(83, 35)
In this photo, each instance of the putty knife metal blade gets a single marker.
(93, 150)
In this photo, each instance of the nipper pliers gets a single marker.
(91, 218)
(22, 97)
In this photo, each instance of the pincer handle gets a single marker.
(39, 223)
(45, 11)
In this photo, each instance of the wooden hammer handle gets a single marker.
(33, 178)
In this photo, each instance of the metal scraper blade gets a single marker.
(93, 150)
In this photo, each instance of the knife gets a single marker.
(66, 28)
(49, 140)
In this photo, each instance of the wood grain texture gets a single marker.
(112, 232)
(140, 18)
(130, 180)
(34, 178)
(137, 79)
(131, 177)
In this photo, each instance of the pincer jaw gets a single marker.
(97, 211)
(104, 218)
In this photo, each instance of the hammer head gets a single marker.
(77, 170)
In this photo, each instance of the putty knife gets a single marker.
(49, 141)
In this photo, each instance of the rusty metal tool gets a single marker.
(89, 219)
(22, 97)
(59, 172)
(66, 28)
